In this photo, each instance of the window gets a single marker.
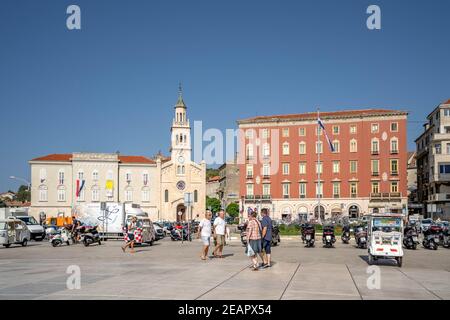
(375, 167)
(95, 175)
(394, 145)
(319, 167)
(319, 131)
(266, 150)
(336, 146)
(145, 195)
(353, 129)
(81, 195)
(61, 195)
(266, 189)
(266, 170)
(249, 151)
(353, 189)
(302, 132)
(319, 147)
(128, 177)
(302, 190)
(336, 166)
(183, 169)
(444, 168)
(375, 187)
(265, 133)
(95, 194)
(195, 196)
(285, 148)
(353, 166)
(285, 132)
(374, 128)
(166, 195)
(353, 145)
(394, 166)
(448, 148)
(43, 194)
(335, 129)
(128, 195)
(394, 186)
(61, 177)
(394, 126)
(145, 178)
(249, 134)
(319, 190)
(42, 175)
(249, 171)
(302, 168)
(375, 146)
(447, 112)
(286, 189)
(437, 148)
(249, 189)
(80, 175)
(336, 189)
(302, 148)
(285, 168)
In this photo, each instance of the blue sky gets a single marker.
(112, 85)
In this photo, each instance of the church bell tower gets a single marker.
(181, 133)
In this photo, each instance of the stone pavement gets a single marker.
(172, 270)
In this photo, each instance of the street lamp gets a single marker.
(23, 180)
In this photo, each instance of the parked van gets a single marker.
(13, 231)
(37, 232)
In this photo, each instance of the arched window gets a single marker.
(195, 196)
(183, 170)
(166, 195)
(353, 145)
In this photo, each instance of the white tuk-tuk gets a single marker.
(385, 232)
(13, 231)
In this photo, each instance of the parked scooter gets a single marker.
(361, 237)
(328, 237)
(308, 234)
(62, 236)
(410, 239)
(242, 227)
(345, 234)
(179, 233)
(431, 237)
(445, 238)
(90, 236)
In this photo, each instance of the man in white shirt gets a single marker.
(204, 231)
(219, 234)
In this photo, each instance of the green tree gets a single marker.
(23, 194)
(213, 204)
(233, 210)
(210, 172)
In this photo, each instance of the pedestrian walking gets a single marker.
(266, 225)
(254, 240)
(204, 232)
(131, 227)
(219, 234)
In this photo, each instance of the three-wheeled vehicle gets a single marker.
(13, 231)
(145, 231)
(385, 232)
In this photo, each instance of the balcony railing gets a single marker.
(265, 198)
(394, 173)
(394, 151)
(375, 173)
(386, 196)
(249, 176)
(375, 152)
(439, 197)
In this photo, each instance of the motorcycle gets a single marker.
(242, 227)
(431, 237)
(180, 233)
(410, 239)
(60, 237)
(90, 235)
(361, 237)
(445, 239)
(345, 234)
(308, 234)
(328, 237)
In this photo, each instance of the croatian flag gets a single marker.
(330, 144)
(80, 186)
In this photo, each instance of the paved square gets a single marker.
(172, 270)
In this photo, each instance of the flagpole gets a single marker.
(319, 167)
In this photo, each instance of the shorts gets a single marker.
(266, 245)
(220, 240)
(255, 245)
(206, 240)
(130, 236)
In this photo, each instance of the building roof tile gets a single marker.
(66, 157)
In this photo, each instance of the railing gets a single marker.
(375, 152)
(386, 196)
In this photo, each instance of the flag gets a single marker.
(80, 186)
(330, 144)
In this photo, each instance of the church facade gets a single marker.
(64, 183)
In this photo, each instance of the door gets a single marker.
(181, 212)
(11, 232)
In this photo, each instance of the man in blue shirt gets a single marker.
(266, 225)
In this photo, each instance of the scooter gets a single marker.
(431, 237)
(445, 238)
(328, 237)
(62, 236)
(242, 227)
(90, 236)
(361, 237)
(179, 234)
(345, 234)
(410, 239)
(308, 235)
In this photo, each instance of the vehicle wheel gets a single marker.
(414, 246)
(56, 243)
(24, 242)
(86, 244)
(370, 259)
(99, 243)
(399, 261)
(7, 245)
(151, 243)
(435, 246)
(68, 243)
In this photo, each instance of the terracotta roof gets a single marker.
(447, 102)
(324, 115)
(68, 157)
(214, 179)
(17, 204)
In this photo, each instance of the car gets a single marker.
(36, 230)
(159, 231)
(425, 224)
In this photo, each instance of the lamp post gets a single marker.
(23, 180)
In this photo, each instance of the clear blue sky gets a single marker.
(112, 85)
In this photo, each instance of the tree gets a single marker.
(210, 172)
(233, 210)
(23, 195)
(213, 204)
